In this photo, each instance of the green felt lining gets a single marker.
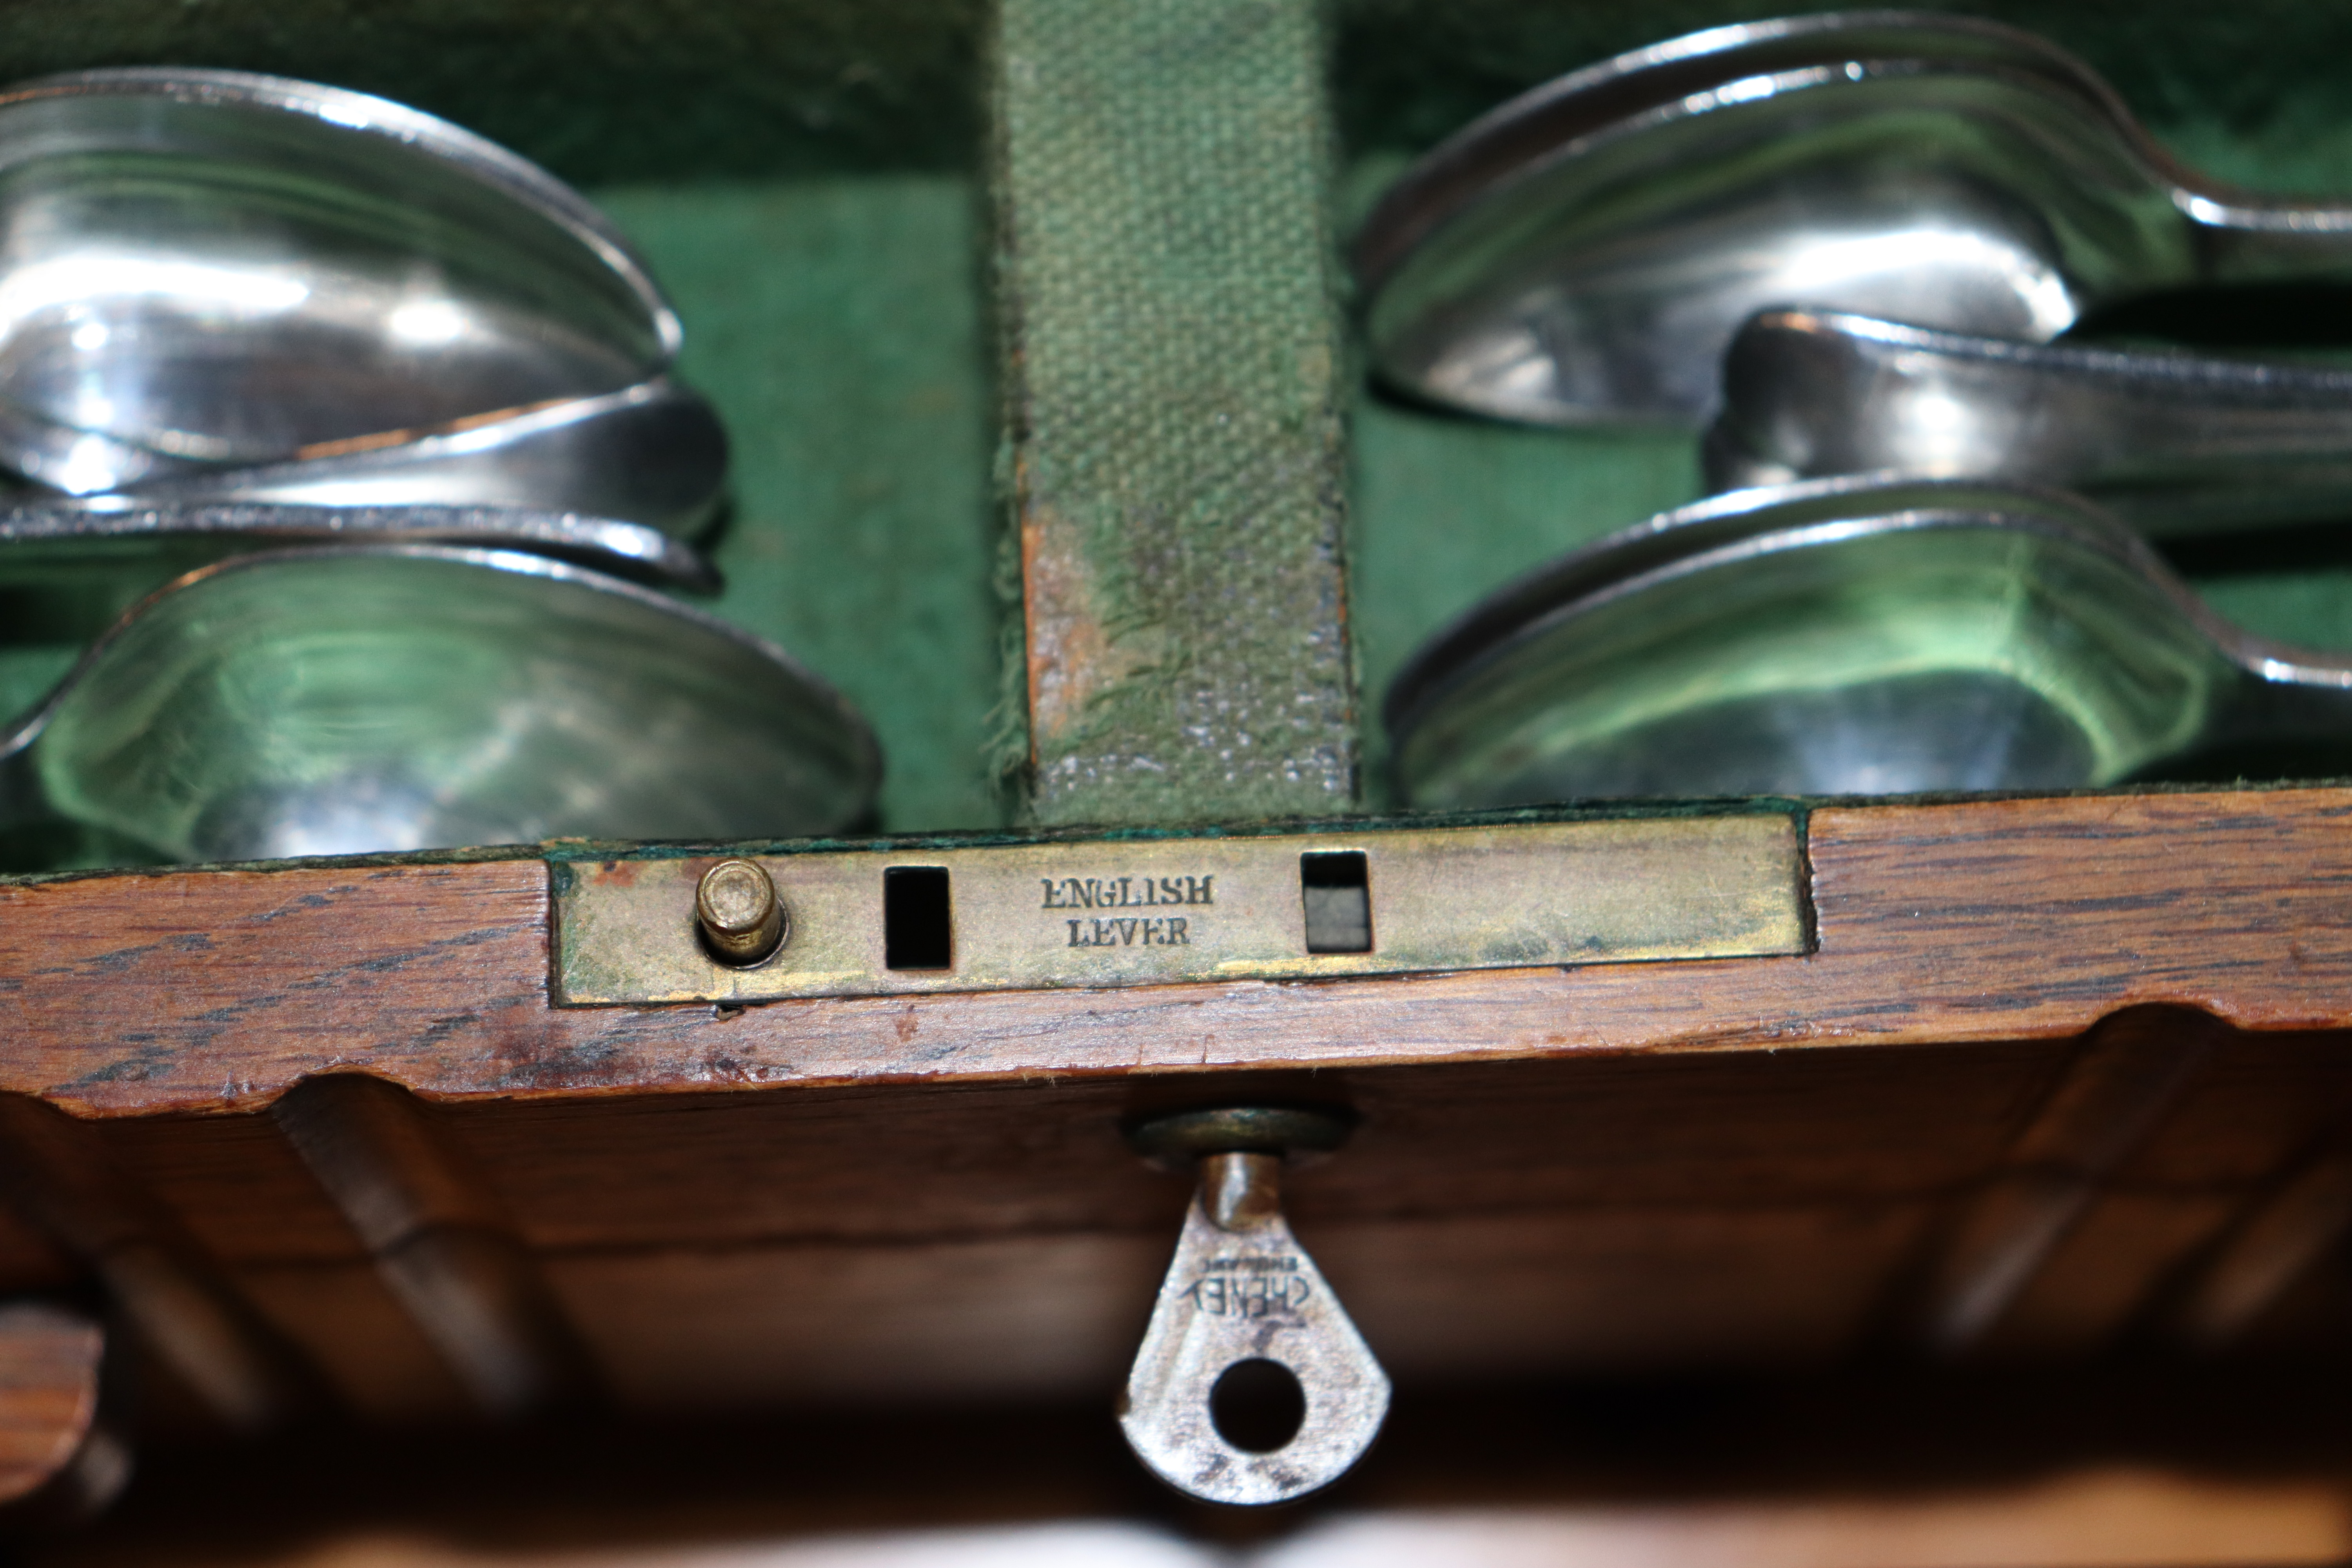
(598, 91)
(835, 324)
(2260, 83)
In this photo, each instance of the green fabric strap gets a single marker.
(1166, 286)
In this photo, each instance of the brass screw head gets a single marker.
(742, 919)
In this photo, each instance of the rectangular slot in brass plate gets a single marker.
(1157, 911)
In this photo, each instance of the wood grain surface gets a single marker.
(2066, 1072)
(2002, 919)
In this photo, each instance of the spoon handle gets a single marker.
(2293, 722)
(2258, 242)
(2176, 443)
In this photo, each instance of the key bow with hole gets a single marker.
(1245, 1323)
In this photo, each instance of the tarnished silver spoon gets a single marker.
(654, 454)
(1846, 637)
(1584, 253)
(87, 563)
(344, 700)
(2173, 443)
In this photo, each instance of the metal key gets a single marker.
(1243, 1301)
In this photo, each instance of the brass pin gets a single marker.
(742, 919)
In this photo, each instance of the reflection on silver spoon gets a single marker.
(1844, 636)
(2172, 443)
(72, 569)
(345, 699)
(654, 454)
(1584, 253)
(230, 269)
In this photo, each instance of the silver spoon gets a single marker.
(1844, 636)
(2173, 443)
(345, 699)
(232, 269)
(1584, 253)
(654, 454)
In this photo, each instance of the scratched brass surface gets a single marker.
(1139, 914)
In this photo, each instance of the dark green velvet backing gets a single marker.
(598, 91)
(2269, 73)
(835, 323)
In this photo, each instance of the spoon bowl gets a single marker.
(356, 699)
(231, 269)
(1851, 637)
(1583, 254)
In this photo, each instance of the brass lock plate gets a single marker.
(1149, 911)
